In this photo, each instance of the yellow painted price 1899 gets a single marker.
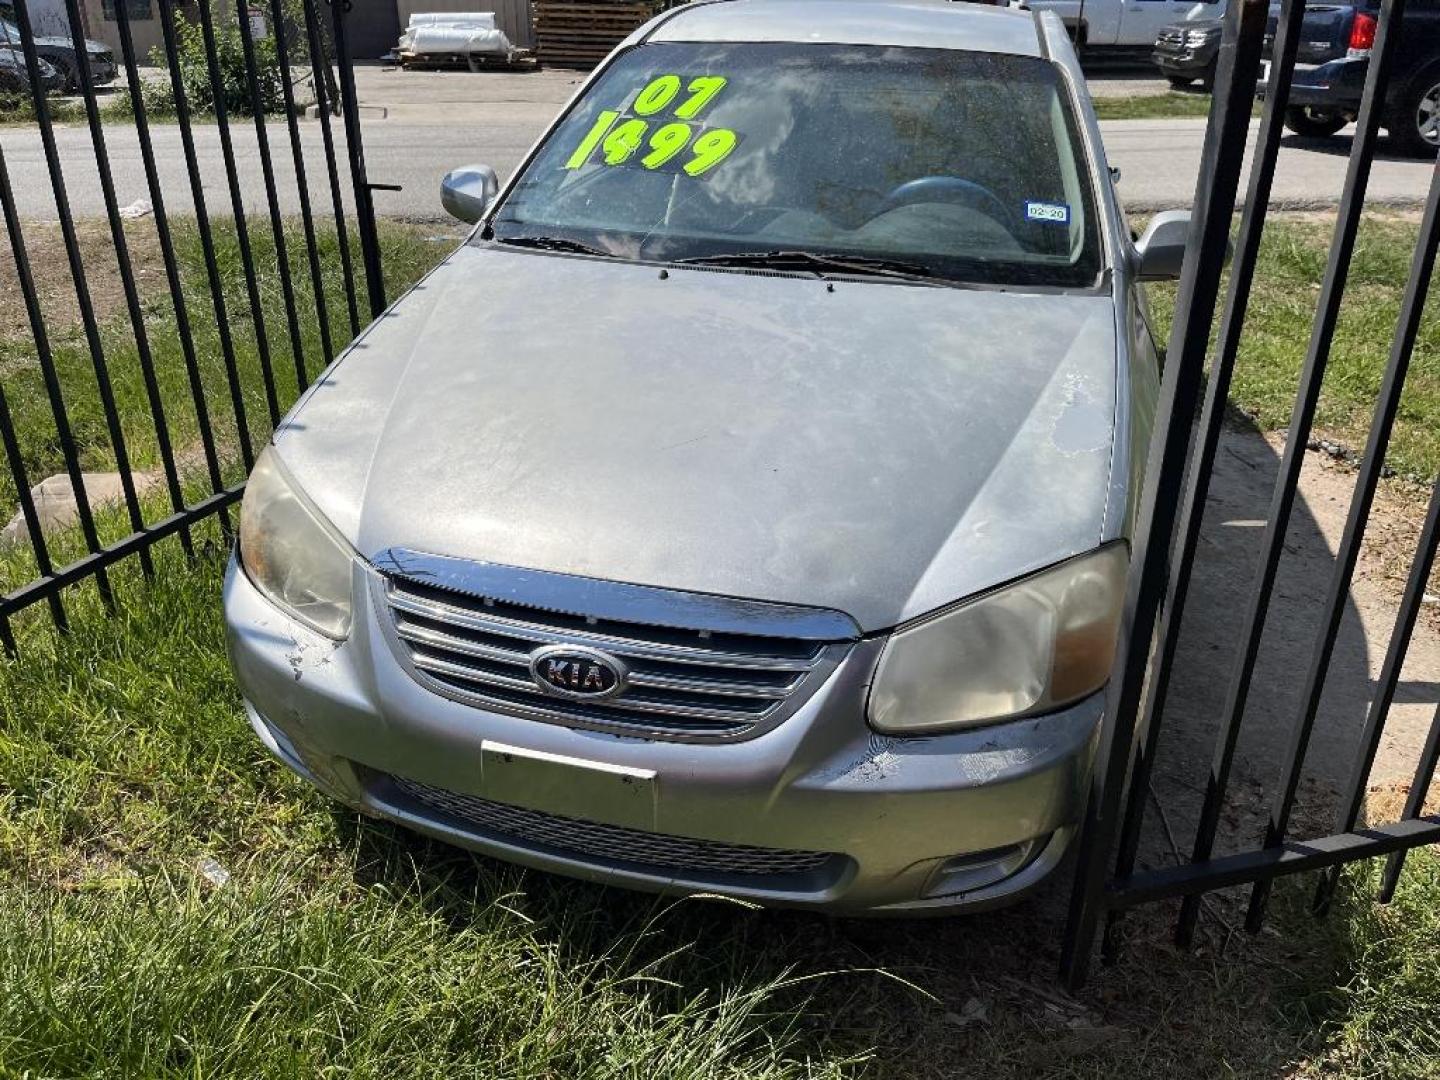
(640, 141)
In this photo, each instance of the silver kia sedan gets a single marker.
(743, 507)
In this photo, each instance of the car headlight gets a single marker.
(1033, 646)
(1196, 37)
(291, 553)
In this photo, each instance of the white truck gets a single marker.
(1124, 24)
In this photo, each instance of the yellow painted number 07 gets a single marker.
(662, 91)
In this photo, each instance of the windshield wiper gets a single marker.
(553, 243)
(817, 263)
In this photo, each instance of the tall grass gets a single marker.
(407, 256)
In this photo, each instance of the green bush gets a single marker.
(18, 110)
(234, 84)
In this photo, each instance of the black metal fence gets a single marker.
(309, 45)
(1182, 464)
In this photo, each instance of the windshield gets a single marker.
(957, 165)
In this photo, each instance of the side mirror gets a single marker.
(467, 193)
(1160, 253)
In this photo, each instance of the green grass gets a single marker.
(1277, 334)
(114, 108)
(1153, 106)
(21, 112)
(1174, 104)
(1379, 1000)
(344, 946)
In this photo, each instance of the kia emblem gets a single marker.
(578, 673)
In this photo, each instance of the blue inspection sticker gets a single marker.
(1049, 213)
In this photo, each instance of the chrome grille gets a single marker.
(698, 667)
(614, 843)
(1171, 35)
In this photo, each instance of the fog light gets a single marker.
(981, 869)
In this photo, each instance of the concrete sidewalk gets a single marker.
(461, 97)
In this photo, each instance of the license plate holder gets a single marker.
(568, 786)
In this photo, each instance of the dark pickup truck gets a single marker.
(1334, 54)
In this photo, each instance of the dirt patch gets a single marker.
(1213, 629)
(1392, 538)
(54, 285)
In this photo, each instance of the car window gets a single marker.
(968, 164)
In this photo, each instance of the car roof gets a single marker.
(935, 24)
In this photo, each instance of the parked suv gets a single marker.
(745, 506)
(1334, 56)
(1187, 52)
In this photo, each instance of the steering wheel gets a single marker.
(949, 189)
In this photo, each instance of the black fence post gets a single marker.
(168, 255)
(82, 289)
(1220, 171)
(324, 81)
(272, 199)
(1337, 274)
(1209, 427)
(364, 200)
(237, 208)
(302, 183)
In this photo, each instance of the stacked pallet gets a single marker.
(581, 33)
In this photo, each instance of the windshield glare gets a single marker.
(966, 166)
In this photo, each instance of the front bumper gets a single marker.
(1185, 62)
(967, 820)
(102, 70)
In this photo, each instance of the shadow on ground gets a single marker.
(1342, 144)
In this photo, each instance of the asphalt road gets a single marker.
(1159, 160)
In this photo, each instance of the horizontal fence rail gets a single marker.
(184, 374)
(1167, 548)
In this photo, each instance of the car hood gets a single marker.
(878, 449)
(1193, 22)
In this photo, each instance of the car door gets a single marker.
(1141, 20)
(1092, 22)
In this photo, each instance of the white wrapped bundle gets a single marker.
(452, 33)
